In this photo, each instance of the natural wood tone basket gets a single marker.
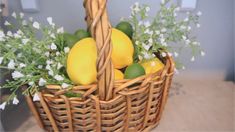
(108, 105)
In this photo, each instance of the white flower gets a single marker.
(140, 57)
(50, 72)
(150, 40)
(36, 25)
(57, 53)
(59, 77)
(7, 23)
(2, 34)
(199, 13)
(163, 30)
(22, 65)
(11, 64)
(177, 9)
(24, 41)
(52, 35)
(65, 85)
(164, 44)
(175, 15)
(176, 71)
(187, 12)
(60, 30)
(146, 47)
(163, 54)
(147, 56)
(147, 31)
(198, 25)
(36, 97)
(1, 59)
(140, 23)
(47, 54)
(163, 1)
(176, 54)
(189, 28)
(15, 101)
(53, 46)
(24, 22)
(203, 53)
(41, 82)
(21, 15)
(3, 105)
(147, 24)
(157, 32)
(48, 67)
(13, 14)
(186, 19)
(183, 67)
(66, 49)
(182, 27)
(187, 42)
(9, 33)
(31, 83)
(193, 58)
(17, 74)
(30, 19)
(40, 66)
(49, 62)
(184, 37)
(147, 9)
(19, 55)
(49, 20)
(59, 66)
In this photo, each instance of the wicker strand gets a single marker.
(69, 112)
(98, 114)
(48, 112)
(97, 20)
(128, 100)
(148, 105)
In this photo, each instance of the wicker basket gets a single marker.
(108, 105)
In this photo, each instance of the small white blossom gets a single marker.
(187, 42)
(36, 25)
(59, 77)
(31, 83)
(59, 66)
(9, 33)
(53, 46)
(47, 54)
(15, 101)
(48, 67)
(187, 12)
(52, 35)
(184, 37)
(30, 19)
(163, 30)
(150, 40)
(16, 35)
(49, 20)
(49, 62)
(198, 25)
(163, 1)
(146, 47)
(164, 44)
(182, 27)
(65, 85)
(157, 32)
(41, 82)
(1, 59)
(2, 35)
(176, 54)
(140, 23)
(50, 72)
(57, 53)
(40, 66)
(140, 57)
(3, 105)
(147, 24)
(66, 49)
(60, 30)
(147, 56)
(199, 13)
(163, 54)
(22, 65)
(7, 23)
(17, 74)
(175, 15)
(203, 53)
(183, 67)
(189, 28)
(186, 19)
(193, 58)
(147, 9)
(25, 41)
(21, 15)
(13, 14)
(177, 9)
(11, 64)
(24, 22)
(19, 55)
(36, 97)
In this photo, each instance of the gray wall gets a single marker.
(216, 33)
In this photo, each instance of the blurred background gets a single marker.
(216, 35)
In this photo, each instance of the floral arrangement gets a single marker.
(35, 54)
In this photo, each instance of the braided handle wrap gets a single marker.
(98, 23)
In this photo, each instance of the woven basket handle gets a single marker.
(98, 24)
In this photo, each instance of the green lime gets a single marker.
(133, 71)
(70, 39)
(126, 28)
(81, 34)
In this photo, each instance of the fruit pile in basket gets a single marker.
(81, 62)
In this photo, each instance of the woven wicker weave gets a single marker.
(108, 105)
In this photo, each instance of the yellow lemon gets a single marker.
(152, 66)
(118, 75)
(81, 62)
(123, 49)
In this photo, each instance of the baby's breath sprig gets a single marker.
(34, 56)
(165, 32)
